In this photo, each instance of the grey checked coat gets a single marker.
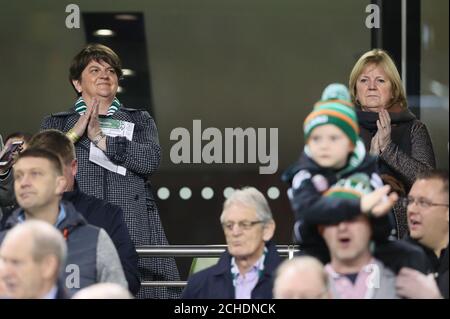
(132, 192)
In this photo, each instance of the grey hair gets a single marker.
(249, 197)
(46, 240)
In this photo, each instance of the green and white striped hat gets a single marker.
(335, 108)
(353, 187)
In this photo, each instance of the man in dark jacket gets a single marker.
(428, 217)
(246, 269)
(96, 211)
(39, 184)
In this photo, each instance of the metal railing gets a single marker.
(194, 251)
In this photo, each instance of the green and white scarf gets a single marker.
(81, 107)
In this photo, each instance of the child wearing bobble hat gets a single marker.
(334, 151)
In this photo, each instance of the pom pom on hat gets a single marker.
(336, 91)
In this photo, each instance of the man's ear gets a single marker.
(268, 230)
(74, 167)
(49, 267)
(61, 184)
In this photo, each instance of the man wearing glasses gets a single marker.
(428, 217)
(246, 269)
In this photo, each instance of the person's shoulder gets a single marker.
(199, 282)
(273, 257)
(76, 220)
(305, 168)
(368, 166)
(384, 271)
(97, 205)
(409, 118)
(87, 233)
(66, 113)
(99, 212)
(370, 163)
(137, 115)
(133, 111)
(417, 125)
(384, 280)
(129, 109)
(202, 275)
(221, 267)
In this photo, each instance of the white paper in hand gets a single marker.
(111, 127)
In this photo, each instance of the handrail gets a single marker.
(163, 283)
(194, 251)
(200, 250)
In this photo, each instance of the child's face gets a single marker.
(329, 146)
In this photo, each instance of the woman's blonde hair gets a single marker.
(379, 58)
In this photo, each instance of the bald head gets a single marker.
(45, 239)
(103, 291)
(301, 278)
(32, 255)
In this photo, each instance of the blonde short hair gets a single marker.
(379, 58)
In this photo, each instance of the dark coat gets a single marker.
(436, 265)
(409, 153)
(102, 214)
(216, 282)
